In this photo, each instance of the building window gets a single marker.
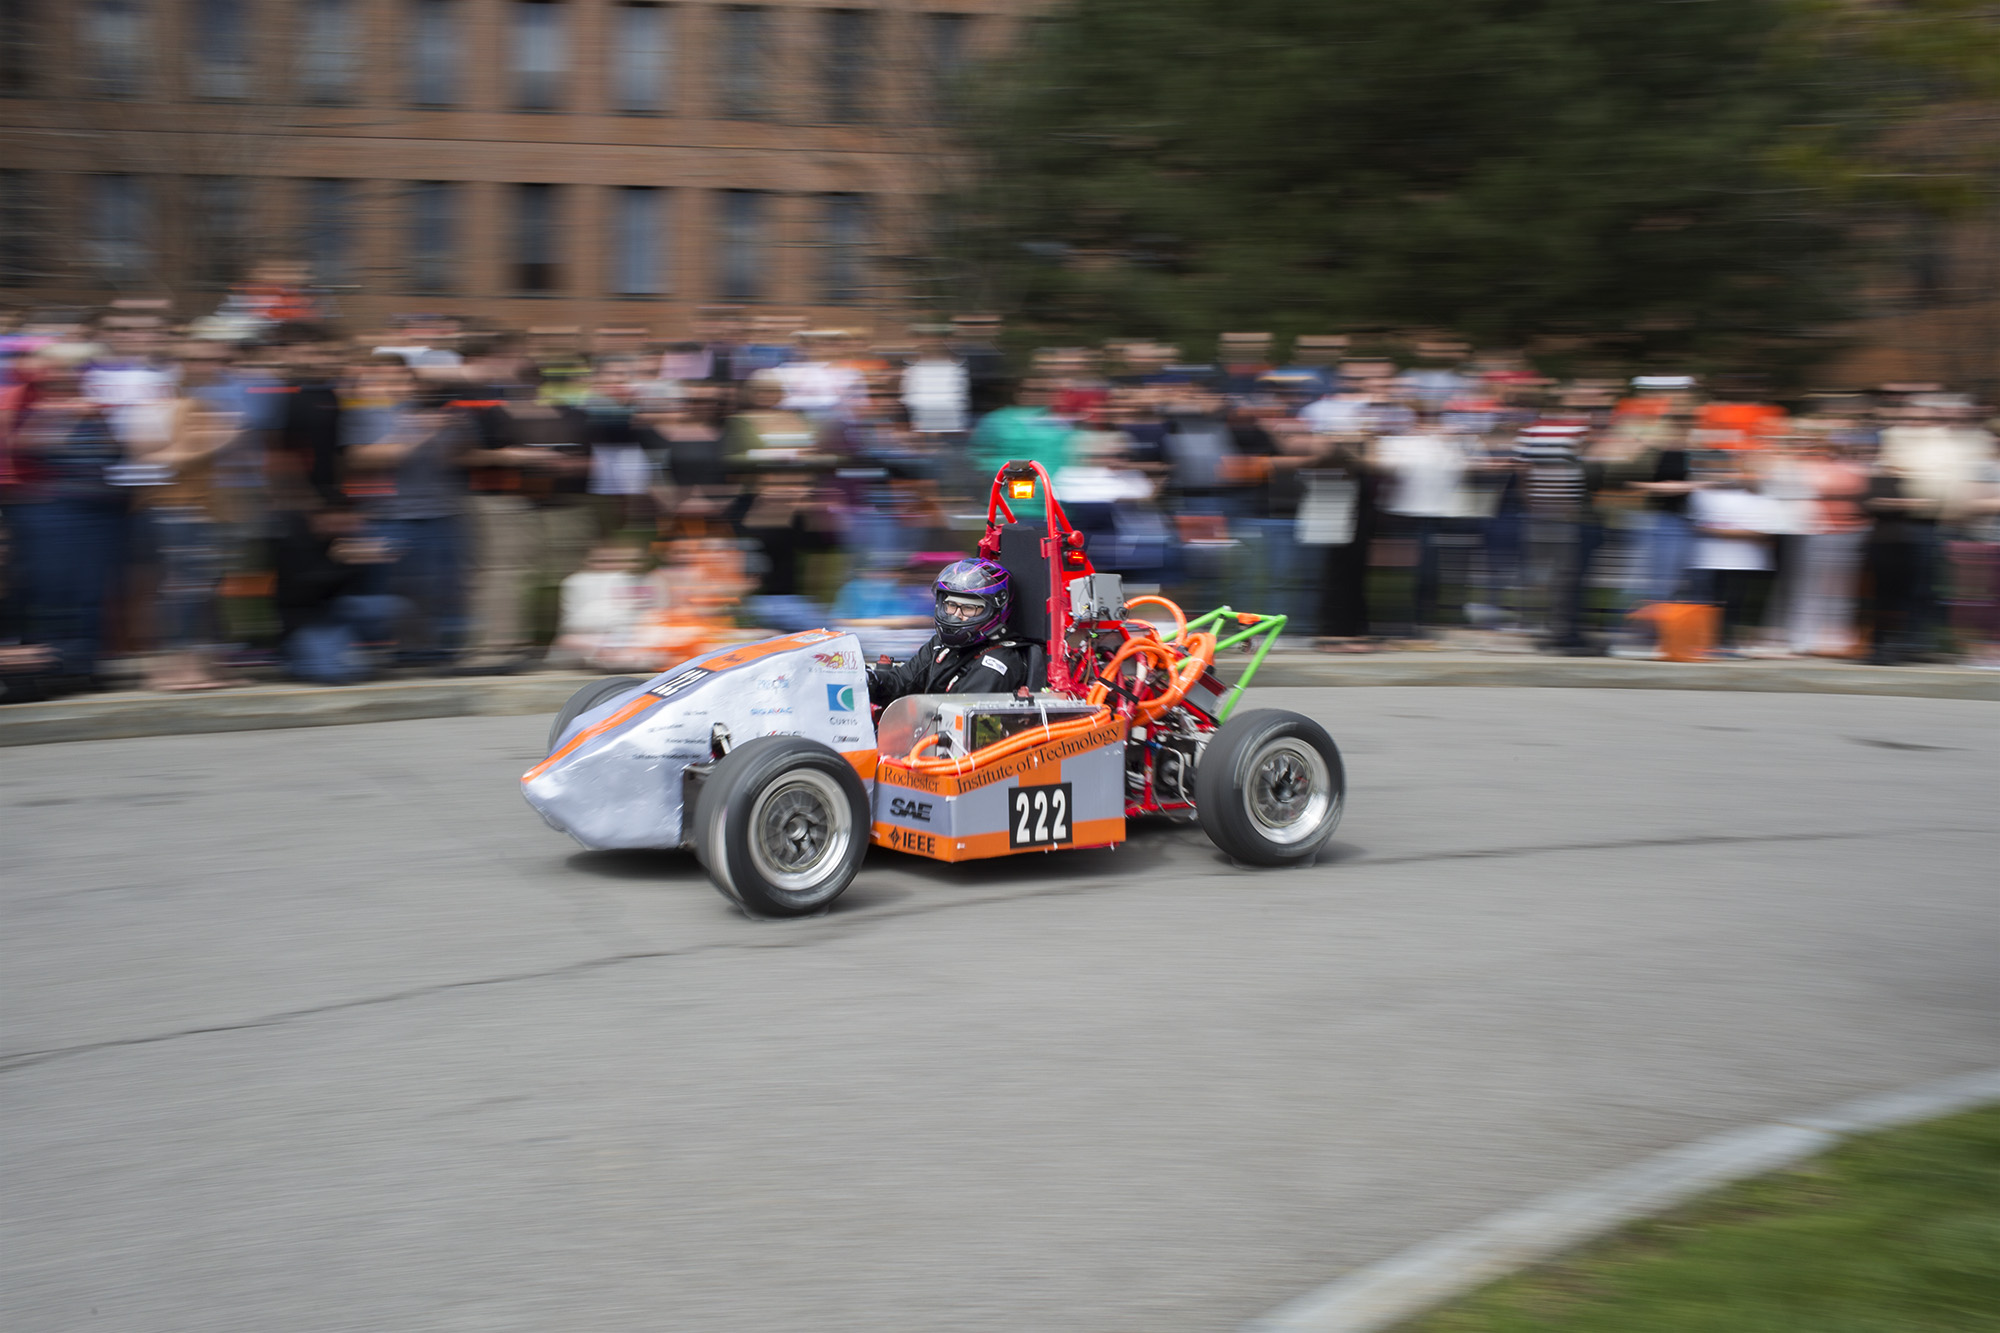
(434, 52)
(20, 28)
(119, 228)
(641, 52)
(433, 236)
(945, 48)
(743, 55)
(20, 237)
(849, 37)
(536, 242)
(637, 237)
(114, 33)
(743, 245)
(326, 73)
(541, 55)
(1927, 252)
(221, 49)
(326, 236)
(218, 209)
(844, 242)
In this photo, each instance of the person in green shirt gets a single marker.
(1025, 430)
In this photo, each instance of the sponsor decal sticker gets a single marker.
(840, 698)
(839, 661)
(908, 840)
(778, 682)
(769, 712)
(917, 810)
(673, 685)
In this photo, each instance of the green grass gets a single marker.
(1897, 1231)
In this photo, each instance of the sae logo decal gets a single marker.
(840, 698)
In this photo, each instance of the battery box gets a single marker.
(1065, 792)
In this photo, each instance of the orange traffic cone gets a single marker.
(1686, 629)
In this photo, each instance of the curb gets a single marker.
(1406, 1285)
(264, 707)
(1610, 673)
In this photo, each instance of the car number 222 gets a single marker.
(1039, 816)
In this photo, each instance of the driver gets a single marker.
(972, 652)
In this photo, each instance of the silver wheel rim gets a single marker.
(800, 830)
(1288, 793)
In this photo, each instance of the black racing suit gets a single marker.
(991, 666)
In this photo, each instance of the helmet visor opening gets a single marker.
(964, 610)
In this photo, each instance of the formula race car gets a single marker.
(768, 761)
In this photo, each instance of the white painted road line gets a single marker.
(1405, 1285)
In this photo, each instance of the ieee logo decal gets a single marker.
(840, 698)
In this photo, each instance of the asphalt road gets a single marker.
(322, 1029)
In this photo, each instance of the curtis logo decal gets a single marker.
(840, 698)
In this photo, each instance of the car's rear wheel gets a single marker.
(588, 696)
(1270, 788)
(781, 825)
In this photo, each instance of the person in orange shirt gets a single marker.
(1740, 425)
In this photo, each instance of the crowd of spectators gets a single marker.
(260, 492)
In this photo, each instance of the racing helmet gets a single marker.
(972, 601)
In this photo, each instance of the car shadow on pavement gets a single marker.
(999, 870)
(1184, 844)
(1150, 846)
(678, 868)
(889, 879)
(663, 864)
(862, 895)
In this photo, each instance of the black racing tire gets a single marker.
(781, 826)
(1270, 788)
(588, 696)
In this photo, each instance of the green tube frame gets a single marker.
(1267, 627)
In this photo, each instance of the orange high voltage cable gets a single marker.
(1183, 672)
(946, 765)
(1180, 618)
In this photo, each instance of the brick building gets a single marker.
(577, 162)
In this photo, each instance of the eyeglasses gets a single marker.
(964, 608)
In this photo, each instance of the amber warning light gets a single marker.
(1021, 490)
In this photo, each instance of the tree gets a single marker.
(1909, 138)
(1604, 176)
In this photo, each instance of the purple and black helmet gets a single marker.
(963, 583)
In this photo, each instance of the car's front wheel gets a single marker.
(1270, 788)
(781, 825)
